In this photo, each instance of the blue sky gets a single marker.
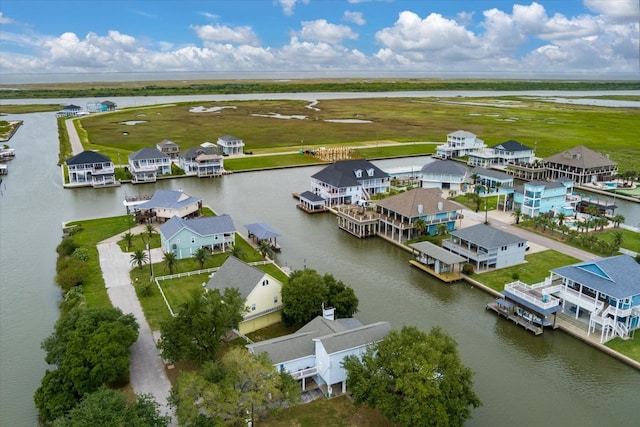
(566, 38)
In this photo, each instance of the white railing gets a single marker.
(523, 291)
(621, 329)
(581, 300)
(304, 373)
(262, 313)
(188, 273)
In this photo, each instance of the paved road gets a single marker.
(146, 371)
(74, 139)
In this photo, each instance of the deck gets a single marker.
(445, 277)
(536, 329)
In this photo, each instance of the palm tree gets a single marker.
(603, 222)
(617, 238)
(265, 249)
(150, 230)
(128, 239)
(441, 229)
(138, 258)
(517, 213)
(419, 225)
(474, 178)
(201, 255)
(561, 217)
(591, 210)
(237, 252)
(617, 220)
(170, 260)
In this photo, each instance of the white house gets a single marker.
(486, 247)
(501, 154)
(165, 204)
(91, 168)
(459, 144)
(444, 174)
(202, 162)
(146, 164)
(260, 290)
(349, 181)
(230, 145)
(316, 350)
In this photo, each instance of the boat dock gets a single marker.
(447, 277)
(518, 320)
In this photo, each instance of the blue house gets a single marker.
(538, 197)
(184, 237)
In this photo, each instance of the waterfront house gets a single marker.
(108, 106)
(170, 148)
(91, 168)
(581, 165)
(230, 145)
(501, 154)
(398, 214)
(459, 144)
(486, 247)
(70, 110)
(490, 178)
(165, 204)
(148, 163)
(444, 174)
(315, 352)
(98, 107)
(538, 197)
(184, 237)
(260, 290)
(349, 181)
(202, 162)
(602, 294)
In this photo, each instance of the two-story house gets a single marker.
(147, 164)
(581, 165)
(316, 351)
(165, 204)
(260, 290)
(444, 174)
(398, 214)
(170, 148)
(459, 144)
(538, 197)
(230, 145)
(91, 168)
(202, 162)
(486, 247)
(349, 181)
(184, 237)
(490, 179)
(502, 154)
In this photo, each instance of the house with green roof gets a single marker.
(260, 290)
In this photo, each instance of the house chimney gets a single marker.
(328, 313)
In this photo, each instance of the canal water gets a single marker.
(552, 379)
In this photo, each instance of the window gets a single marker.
(275, 300)
(253, 307)
(504, 248)
(265, 282)
(358, 173)
(193, 239)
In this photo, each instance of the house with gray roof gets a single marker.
(601, 295)
(165, 204)
(230, 145)
(147, 164)
(91, 168)
(184, 237)
(486, 247)
(501, 154)
(260, 290)
(316, 350)
(349, 181)
(581, 165)
(459, 144)
(169, 147)
(490, 178)
(202, 162)
(444, 174)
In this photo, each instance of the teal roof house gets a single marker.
(184, 237)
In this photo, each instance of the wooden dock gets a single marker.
(536, 329)
(445, 277)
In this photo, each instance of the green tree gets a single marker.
(195, 333)
(341, 297)
(617, 220)
(139, 257)
(108, 407)
(170, 260)
(414, 378)
(71, 272)
(201, 255)
(265, 249)
(561, 218)
(89, 347)
(128, 239)
(517, 214)
(237, 252)
(419, 225)
(617, 238)
(302, 297)
(441, 229)
(150, 230)
(240, 386)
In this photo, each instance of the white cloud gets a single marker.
(289, 5)
(355, 17)
(223, 34)
(534, 21)
(617, 11)
(209, 15)
(4, 19)
(322, 31)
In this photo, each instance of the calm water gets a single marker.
(521, 379)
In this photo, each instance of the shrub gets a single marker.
(66, 247)
(145, 289)
(80, 254)
(467, 268)
(71, 272)
(515, 276)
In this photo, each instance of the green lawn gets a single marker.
(630, 348)
(630, 239)
(535, 270)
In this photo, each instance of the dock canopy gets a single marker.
(262, 231)
(437, 252)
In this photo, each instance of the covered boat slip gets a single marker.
(437, 261)
(260, 232)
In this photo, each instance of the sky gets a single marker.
(578, 39)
